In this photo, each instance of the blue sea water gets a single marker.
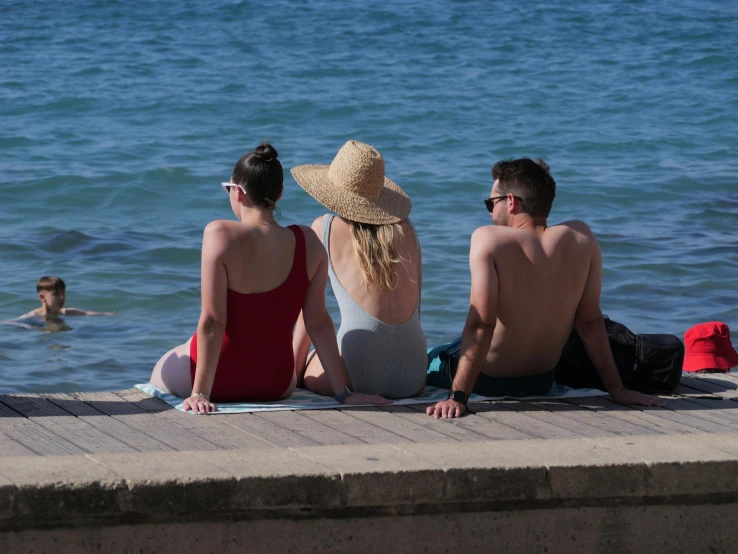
(119, 119)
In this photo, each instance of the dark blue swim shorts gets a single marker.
(442, 363)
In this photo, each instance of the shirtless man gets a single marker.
(529, 283)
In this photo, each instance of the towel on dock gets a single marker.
(303, 399)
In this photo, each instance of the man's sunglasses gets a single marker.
(490, 203)
(227, 187)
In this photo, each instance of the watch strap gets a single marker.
(342, 396)
(458, 396)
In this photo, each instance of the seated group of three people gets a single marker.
(263, 294)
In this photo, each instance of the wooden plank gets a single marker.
(487, 428)
(32, 435)
(443, 426)
(684, 390)
(397, 424)
(723, 406)
(216, 429)
(10, 447)
(307, 428)
(357, 428)
(724, 388)
(271, 433)
(157, 426)
(107, 424)
(686, 422)
(633, 416)
(571, 418)
(730, 377)
(522, 422)
(708, 410)
(65, 425)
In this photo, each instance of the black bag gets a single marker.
(651, 363)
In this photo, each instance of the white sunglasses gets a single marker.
(227, 187)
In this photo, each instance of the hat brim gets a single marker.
(391, 206)
(697, 362)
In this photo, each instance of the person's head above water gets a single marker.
(51, 292)
(522, 186)
(260, 176)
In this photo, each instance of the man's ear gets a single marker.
(41, 296)
(513, 205)
(239, 194)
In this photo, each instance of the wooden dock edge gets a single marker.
(613, 489)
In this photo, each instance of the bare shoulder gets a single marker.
(217, 237)
(220, 232)
(32, 313)
(576, 226)
(314, 251)
(317, 225)
(491, 238)
(219, 227)
(313, 244)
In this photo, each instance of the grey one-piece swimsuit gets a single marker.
(389, 360)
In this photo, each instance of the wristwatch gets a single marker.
(458, 396)
(342, 396)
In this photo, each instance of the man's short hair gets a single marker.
(531, 180)
(50, 283)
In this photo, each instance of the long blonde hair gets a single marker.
(376, 252)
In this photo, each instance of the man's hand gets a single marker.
(633, 398)
(361, 398)
(447, 409)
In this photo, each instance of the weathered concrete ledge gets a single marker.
(523, 481)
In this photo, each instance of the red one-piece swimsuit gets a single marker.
(256, 360)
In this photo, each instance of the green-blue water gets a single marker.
(119, 119)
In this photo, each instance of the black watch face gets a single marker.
(459, 396)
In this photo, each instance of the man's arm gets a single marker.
(479, 327)
(591, 328)
(77, 311)
(32, 313)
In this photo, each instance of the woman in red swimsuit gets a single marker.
(256, 278)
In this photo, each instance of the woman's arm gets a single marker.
(300, 348)
(301, 339)
(210, 329)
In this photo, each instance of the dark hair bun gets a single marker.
(266, 152)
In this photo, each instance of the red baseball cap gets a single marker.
(708, 346)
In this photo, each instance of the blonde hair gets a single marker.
(375, 247)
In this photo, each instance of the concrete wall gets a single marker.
(653, 529)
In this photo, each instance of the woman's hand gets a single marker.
(198, 404)
(361, 398)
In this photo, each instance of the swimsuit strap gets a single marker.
(327, 220)
(417, 250)
(300, 250)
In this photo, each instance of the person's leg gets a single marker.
(442, 362)
(316, 379)
(291, 388)
(172, 372)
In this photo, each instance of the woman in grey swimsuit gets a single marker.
(375, 268)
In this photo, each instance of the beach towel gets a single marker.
(303, 399)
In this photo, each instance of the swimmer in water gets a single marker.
(52, 294)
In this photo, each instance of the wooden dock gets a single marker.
(131, 421)
(124, 472)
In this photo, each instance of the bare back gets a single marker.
(257, 258)
(541, 280)
(392, 307)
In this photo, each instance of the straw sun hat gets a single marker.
(354, 186)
